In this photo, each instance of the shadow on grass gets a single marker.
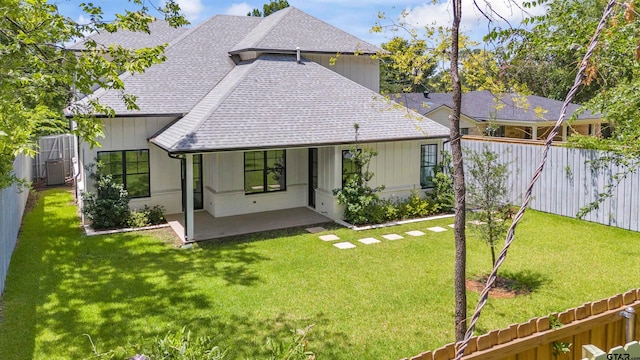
(121, 288)
(527, 281)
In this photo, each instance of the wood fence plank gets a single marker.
(472, 346)
(424, 356)
(526, 330)
(442, 354)
(598, 307)
(598, 337)
(543, 352)
(487, 341)
(566, 317)
(506, 335)
(629, 297)
(615, 302)
(527, 355)
(583, 312)
(579, 340)
(543, 324)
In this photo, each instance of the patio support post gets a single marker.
(564, 132)
(534, 132)
(189, 197)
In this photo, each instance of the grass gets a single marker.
(383, 301)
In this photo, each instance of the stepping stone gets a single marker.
(314, 230)
(369, 241)
(415, 233)
(452, 225)
(437, 229)
(477, 222)
(392, 237)
(329, 237)
(344, 245)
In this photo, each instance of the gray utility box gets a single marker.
(55, 172)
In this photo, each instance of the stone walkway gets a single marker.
(371, 240)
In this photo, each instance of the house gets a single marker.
(249, 115)
(505, 115)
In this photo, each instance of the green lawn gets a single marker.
(382, 301)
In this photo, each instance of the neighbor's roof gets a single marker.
(481, 106)
(160, 33)
(290, 28)
(274, 101)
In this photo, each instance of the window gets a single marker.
(265, 171)
(428, 162)
(464, 131)
(130, 168)
(495, 131)
(349, 166)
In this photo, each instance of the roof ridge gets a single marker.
(217, 99)
(282, 14)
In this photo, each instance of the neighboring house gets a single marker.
(505, 115)
(247, 115)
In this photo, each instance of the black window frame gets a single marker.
(266, 172)
(345, 174)
(122, 178)
(424, 183)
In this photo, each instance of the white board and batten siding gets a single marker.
(397, 167)
(568, 182)
(224, 193)
(361, 69)
(13, 200)
(131, 133)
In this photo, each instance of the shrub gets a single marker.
(138, 219)
(108, 207)
(442, 193)
(415, 207)
(155, 214)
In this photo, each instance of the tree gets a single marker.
(460, 265)
(487, 195)
(270, 8)
(38, 73)
(406, 67)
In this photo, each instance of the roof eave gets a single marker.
(289, 51)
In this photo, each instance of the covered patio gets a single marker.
(208, 227)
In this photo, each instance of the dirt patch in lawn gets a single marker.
(503, 287)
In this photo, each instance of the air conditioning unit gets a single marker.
(55, 172)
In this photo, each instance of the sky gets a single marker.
(353, 16)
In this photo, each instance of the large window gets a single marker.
(349, 166)
(128, 167)
(428, 162)
(265, 171)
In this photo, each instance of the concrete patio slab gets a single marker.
(315, 230)
(344, 245)
(415, 233)
(437, 229)
(209, 227)
(330, 237)
(369, 241)
(452, 225)
(393, 237)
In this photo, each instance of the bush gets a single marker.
(155, 214)
(442, 193)
(108, 207)
(415, 207)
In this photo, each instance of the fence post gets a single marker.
(630, 323)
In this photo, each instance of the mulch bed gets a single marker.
(503, 287)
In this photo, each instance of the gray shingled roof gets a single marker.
(161, 33)
(196, 61)
(289, 28)
(273, 101)
(480, 105)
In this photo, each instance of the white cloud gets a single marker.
(240, 9)
(473, 20)
(192, 9)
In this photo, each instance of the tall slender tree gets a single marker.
(460, 264)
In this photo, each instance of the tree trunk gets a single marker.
(458, 182)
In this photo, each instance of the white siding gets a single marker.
(224, 193)
(362, 68)
(131, 134)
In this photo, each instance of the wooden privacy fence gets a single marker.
(599, 323)
(13, 200)
(568, 181)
